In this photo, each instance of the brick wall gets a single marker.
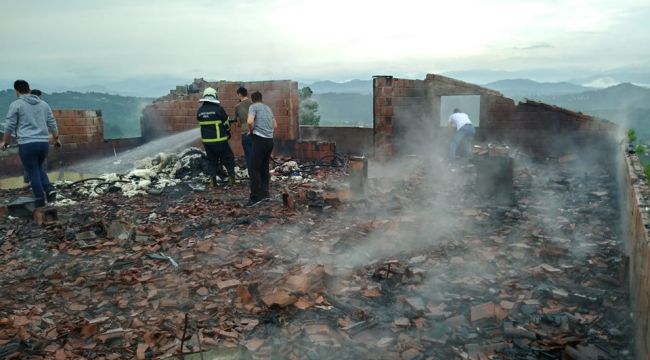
(348, 140)
(79, 130)
(313, 150)
(407, 113)
(636, 192)
(400, 108)
(176, 112)
(82, 137)
(545, 130)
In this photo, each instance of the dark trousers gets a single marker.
(32, 155)
(247, 144)
(259, 170)
(219, 155)
(26, 176)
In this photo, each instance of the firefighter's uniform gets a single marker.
(215, 132)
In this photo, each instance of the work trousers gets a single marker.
(32, 155)
(259, 170)
(247, 144)
(464, 135)
(220, 155)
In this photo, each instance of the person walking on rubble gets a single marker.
(261, 124)
(215, 133)
(464, 133)
(241, 116)
(44, 166)
(30, 118)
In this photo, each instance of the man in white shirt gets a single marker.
(464, 133)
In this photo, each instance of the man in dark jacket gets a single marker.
(215, 132)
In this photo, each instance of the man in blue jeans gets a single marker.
(30, 118)
(464, 133)
(25, 175)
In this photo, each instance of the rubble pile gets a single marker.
(421, 267)
(153, 174)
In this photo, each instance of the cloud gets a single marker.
(536, 46)
(252, 40)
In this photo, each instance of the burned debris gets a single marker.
(408, 263)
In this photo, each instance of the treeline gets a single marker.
(121, 114)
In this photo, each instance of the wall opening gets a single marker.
(469, 104)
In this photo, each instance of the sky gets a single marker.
(91, 42)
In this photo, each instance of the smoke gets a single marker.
(428, 214)
(126, 123)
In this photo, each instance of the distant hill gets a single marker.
(346, 103)
(621, 96)
(625, 104)
(635, 76)
(345, 109)
(121, 114)
(520, 88)
(145, 86)
(579, 76)
(353, 86)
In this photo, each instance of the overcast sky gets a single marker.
(333, 39)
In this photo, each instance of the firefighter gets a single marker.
(215, 133)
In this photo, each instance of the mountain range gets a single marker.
(517, 88)
(353, 86)
(350, 103)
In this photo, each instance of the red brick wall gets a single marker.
(176, 112)
(349, 140)
(82, 137)
(79, 130)
(545, 130)
(408, 112)
(399, 105)
(313, 149)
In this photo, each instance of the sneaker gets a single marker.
(51, 196)
(39, 203)
(252, 202)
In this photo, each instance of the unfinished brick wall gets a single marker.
(401, 107)
(82, 137)
(313, 150)
(80, 130)
(536, 128)
(637, 192)
(176, 112)
(348, 140)
(545, 130)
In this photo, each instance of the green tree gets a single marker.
(631, 136)
(307, 108)
(640, 149)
